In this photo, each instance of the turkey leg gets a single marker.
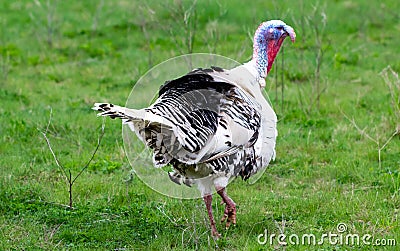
(230, 207)
(208, 202)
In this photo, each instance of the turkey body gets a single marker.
(211, 123)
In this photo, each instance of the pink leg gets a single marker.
(208, 201)
(230, 207)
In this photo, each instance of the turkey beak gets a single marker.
(290, 32)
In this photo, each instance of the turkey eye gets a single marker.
(279, 28)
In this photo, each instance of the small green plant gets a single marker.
(145, 21)
(378, 139)
(70, 179)
(392, 80)
(313, 27)
(184, 25)
(96, 17)
(48, 10)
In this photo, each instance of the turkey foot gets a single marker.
(215, 233)
(230, 208)
(229, 215)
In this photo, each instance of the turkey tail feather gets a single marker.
(115, 111)
(129, 115)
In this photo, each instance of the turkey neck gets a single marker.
(260, 58)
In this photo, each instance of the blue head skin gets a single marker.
(267, 42)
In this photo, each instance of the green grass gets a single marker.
(326, 171)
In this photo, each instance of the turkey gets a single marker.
(213, 124)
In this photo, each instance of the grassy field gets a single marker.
(338, 153)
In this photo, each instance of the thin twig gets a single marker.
(361, 131)
(389, 139)
(173, 221)
(68, 176)
(94, 152)
(376, 141)
(58, 163)
(70, 188)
